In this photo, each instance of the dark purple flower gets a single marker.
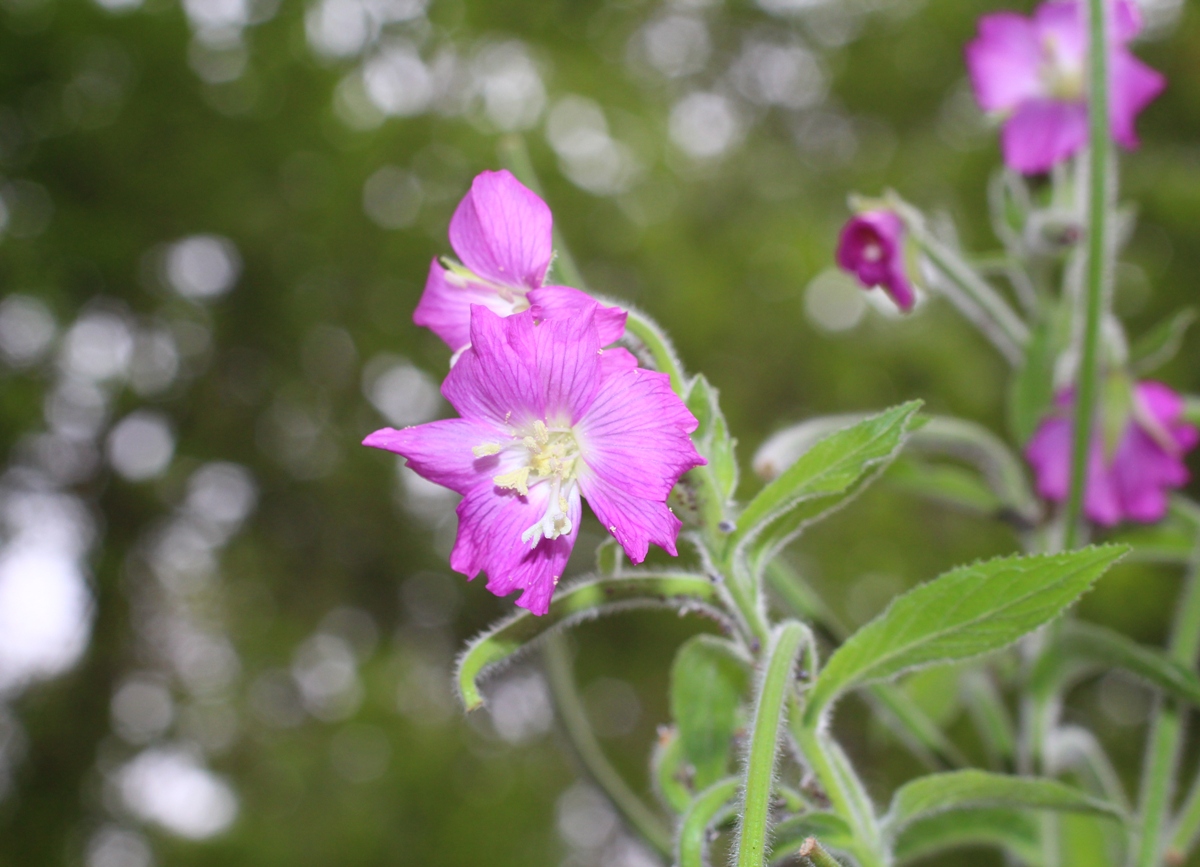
(1033, 71)
(872, 249)
(1130, 480)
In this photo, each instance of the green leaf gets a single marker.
(1161, 343)
(578, 602)
(667, 772)
(789, 835)
(825, 477)
(951, 485)
(1112, 649)
(712, 437)
(966, 612)
(708, 682)
(707, 809)
(1015, 831)
(929, 796)
(1032, 390)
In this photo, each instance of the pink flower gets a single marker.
(1033, 72)
(502, 232)
(1130, 481)
(872, 249)
(544, 422)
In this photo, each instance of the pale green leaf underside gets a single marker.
(708, 681)
(974, 789)
(1015, 831)
(966, 612)
(576, 603)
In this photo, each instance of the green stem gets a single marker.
(1166, 732)
(1097, 266)
(652, 337)
(705, 810)
(575, 723)
(764, 741)
(985, 307)
(841, 787)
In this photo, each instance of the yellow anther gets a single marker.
(517, 480)
(482, 451)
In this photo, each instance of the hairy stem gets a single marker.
(706, 809)
(780, 661)
(575, 723)
(1098, 267)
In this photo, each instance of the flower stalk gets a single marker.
(1098, 266)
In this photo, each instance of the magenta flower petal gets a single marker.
(445, 306)
(491, 522)
(563, 302)
(502, 231)
(871, 247)
(635, 444)
(1003, 61)
(441, 451)
(1133, 484)
(1043, 132)
(566, 354)
(1134, 86)
(491, 381)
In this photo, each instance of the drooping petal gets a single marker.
(442, 451)
(1134, 86)
(1042, 133)
(503, 231)
(563, 302)
(445, 306)
(1004, 62)
(1126, 21)
(635, 444)
(493, 381)
(491, 522)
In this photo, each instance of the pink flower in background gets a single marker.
(501, 232)
(872, 249)
(1033, 72)
(544, 423)
(1132, 482)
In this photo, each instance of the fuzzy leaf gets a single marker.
(1112, 649)
(929, 796)
(1012, 830)
(708, 681)
(574, 604)
(966, 612)
(1161, 343)
(823, 478)
(952, 485)
(712, 437)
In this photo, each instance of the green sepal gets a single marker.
(1162, 342)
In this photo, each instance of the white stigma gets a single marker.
(547, 455)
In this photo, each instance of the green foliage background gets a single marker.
(724, 264)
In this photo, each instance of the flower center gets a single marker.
(548, 455)
(1063, 79)
(873, 252)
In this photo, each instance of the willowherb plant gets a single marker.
(563, 397)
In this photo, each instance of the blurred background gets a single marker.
(226, 629)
